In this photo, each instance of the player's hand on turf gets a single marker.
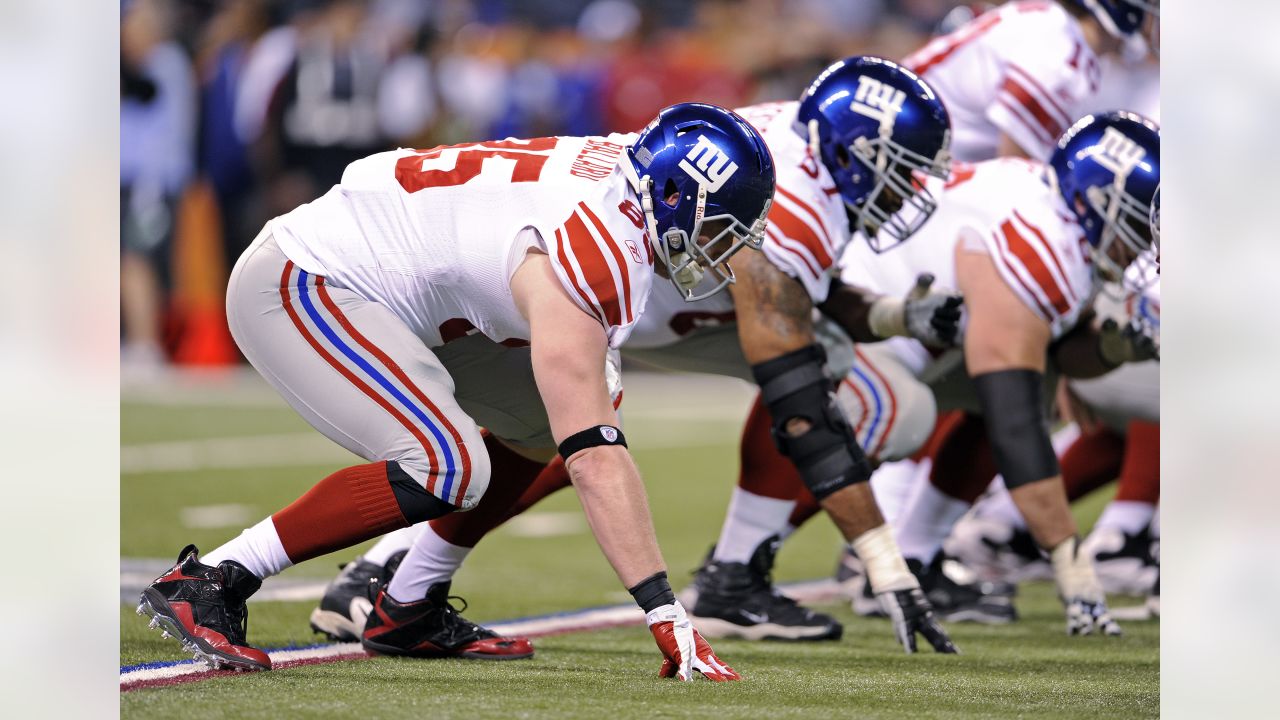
(1081, 593)
(932, 315)
(683, 649)
(1084, 617)
(911, 613)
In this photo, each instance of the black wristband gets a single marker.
(592, 437)
(653, 592)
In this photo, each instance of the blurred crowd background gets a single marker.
(234, 111)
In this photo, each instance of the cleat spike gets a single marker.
(164, 635)
(155, 623)
(140, 611)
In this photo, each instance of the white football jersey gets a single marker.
(807, 230)
(1022, 69)
(435, 235)
(1006, 208)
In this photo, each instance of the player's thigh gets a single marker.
(353, 370)
(496, 387)
(891, 411)
(1130, 392)
(715, 350)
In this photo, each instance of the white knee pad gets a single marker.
(891, 411)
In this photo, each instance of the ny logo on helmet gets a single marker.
(1118, 153)
(708, 164)
(877, 100)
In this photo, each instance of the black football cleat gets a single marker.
(346, 602)
(432, 628)
(960, 602)
(204, 608)
(738, 600)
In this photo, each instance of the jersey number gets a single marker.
(529, 157)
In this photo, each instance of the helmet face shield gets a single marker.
(690, 261)
(1125, 252)
(899, 204)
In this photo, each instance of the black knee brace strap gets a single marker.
(1013, 409)
(795, 386)
(416, 504)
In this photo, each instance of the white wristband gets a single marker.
(887, 317)
(886, 570)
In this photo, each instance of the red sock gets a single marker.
(513, 478)
(350, 506)
(1092, 461)
(963, 464)
(1140, 474)
(806, 507)
(765, 471)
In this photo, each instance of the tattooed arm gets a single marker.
(775, 314)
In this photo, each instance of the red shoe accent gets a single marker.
(217, 640)
(507, 648)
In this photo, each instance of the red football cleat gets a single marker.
(432, 628)
(204, 607)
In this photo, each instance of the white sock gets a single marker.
(392, 543)
(1126, 515)
(998, 505)
(257, 548)
(751, 520)
(926, 521)
(892, 483)
(431, 560)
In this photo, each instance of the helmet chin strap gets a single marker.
(685, 271)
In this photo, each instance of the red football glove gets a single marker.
(683, 649)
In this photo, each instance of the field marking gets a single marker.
(162, 674)
(204, 517)
(546, 524)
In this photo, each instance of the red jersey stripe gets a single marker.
(789, 247)
(953, 42)
(1044, 311)
(399, 373)
(1030, 83)
(595, 269)
(587, 304)
(287, 301)
(1034, 264)
(1019, 112)
(824, 236)
(1048, 247)
(1014, 88)
(617, 257)
(790, 225)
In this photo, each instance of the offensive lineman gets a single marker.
(1023, 240)
(348, 306)
(843, 167)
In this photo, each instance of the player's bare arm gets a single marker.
(775, 329)
(1005, 348)
(1095, 347)
(568, 349)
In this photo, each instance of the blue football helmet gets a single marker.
(877, 127)
(701, 165)
(1107, 168)
(1121, 18)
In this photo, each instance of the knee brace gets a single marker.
(793, 387)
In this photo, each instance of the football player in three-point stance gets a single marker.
(851, 154)
(432, 292)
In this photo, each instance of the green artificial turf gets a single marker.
(1027, 669)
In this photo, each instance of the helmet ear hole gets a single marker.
(843, 158)
(670, 193)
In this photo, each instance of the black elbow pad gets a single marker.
(795, 386)
(1013, 409)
